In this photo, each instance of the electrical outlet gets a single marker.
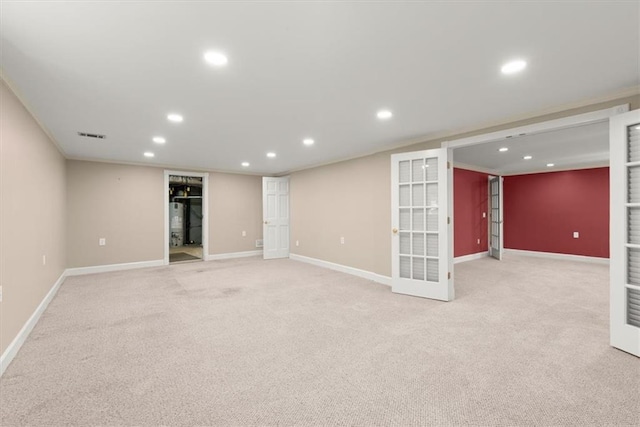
(102, 241)
(297, 242)
(576, 235)
(478, 241)
(44, 260)
(259, 243)
(244, 233)
(484, 214)
(342, 240)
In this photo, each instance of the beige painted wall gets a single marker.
(235, 205)
(125, 205)
(353, 199)
(32, 215)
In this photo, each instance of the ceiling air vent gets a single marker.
(92, 135)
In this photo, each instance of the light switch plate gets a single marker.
(576, 235)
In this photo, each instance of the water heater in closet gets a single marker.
(176, 223)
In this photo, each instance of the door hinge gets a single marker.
(448, 165)
(448, 220)
(449, 275)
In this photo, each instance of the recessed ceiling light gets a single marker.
(503, 149)
(637, 127)
(549, 165)
(176, 118)
(217, 59)
(271, 155)
(528, 157)
(384, 114)
(513, 67)
(148, 154)
(159, 140)
(308, 141)
(245, 164)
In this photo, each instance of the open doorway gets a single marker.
(548, 187)
(185, 216)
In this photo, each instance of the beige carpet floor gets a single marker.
(252, 342)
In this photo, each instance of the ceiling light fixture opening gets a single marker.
(176, 118)
(245, 164)
(528, 157)
(503, 149)
(550, 165)
(308, 141)
(159, 140)
(384, 114)
(271, 155)
(148, 154)
(513, 67)
(215, 58)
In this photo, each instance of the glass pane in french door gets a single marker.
(418, 219)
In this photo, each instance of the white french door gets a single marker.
(275, 213)
(420, 224)
(496, 239)
(625, 231)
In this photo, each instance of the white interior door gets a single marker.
(275, 212)
(496, 239)
(625, 231)
(420, 224)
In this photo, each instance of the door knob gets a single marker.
(395, 231)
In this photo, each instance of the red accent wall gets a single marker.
(541, 212)
(470, 200)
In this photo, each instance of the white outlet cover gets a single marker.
(342, 240)
(576, 235)
(297, 243)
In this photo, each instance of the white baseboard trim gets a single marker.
(17, 342)
(566, 257)
(470, 257)
(233, 255)
(79, 271)
(379, 278)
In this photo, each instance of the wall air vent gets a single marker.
(92, 135)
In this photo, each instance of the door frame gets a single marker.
(544, 126)
(205, 211)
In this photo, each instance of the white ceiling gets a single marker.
(305, 69)
(575, 147)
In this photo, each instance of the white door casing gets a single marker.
(496, 242)
(275, 213)
(420, 224)
(624, 190)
